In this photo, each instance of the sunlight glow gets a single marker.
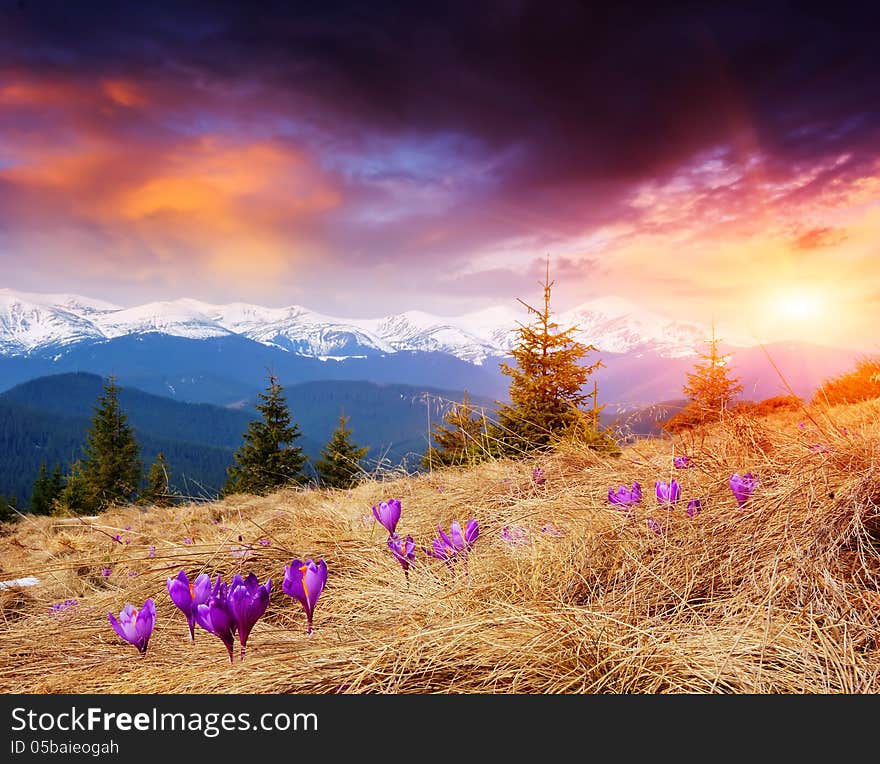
(798, 306)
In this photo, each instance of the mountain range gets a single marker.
(199, 352)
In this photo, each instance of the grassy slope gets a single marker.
(778, 597)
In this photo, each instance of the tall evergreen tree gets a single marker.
(111, 467)
(267, 460)
(158, 491)
(77, 496)
(461, 440)
(339, 465)
(546, 384)
(47, 489)
(710, 387)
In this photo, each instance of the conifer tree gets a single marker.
(111, 466)
(710, 387)
(47, 489)
(461, 440)
(267, 460)
(8, 509)
(339, 465)
(546, 387)
(77, 496)
(158, 491)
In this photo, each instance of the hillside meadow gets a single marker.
(778, 596)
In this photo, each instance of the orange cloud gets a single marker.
(124, 93)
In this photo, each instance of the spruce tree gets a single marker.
(8, 509)
(77, 496)
(710, 387)
(461, 440)
(47, 489)
(267, 460)
(339, 465)
(158, 491)
(111, 467)
(546, 386)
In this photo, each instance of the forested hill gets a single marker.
(46, 420)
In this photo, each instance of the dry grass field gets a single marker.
(779, 596)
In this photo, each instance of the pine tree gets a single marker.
(266, 461)
(111, 466)
(8, 509)
(463, 441)
(47, 489)
(339, 464)
(158, 491)
(77, 496)
(710, 388)
(546, 387)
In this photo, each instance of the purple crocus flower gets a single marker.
(247, 601)
(514, 535)
(441, 550)
(681, 462)
(105, 572)
(538, 476)
(264, 542)
(188, 596)
(216, 616)
(742, 486)
(654, 526)
(461, 542)
(624, 497)
(304, 581)
(152, 551)
(403, 551)
(694, 507)
(551, 530)
(135, 625)
(667, 493)
(117, 538)
(187, 540)
(388, 514)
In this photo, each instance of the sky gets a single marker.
(363, 159)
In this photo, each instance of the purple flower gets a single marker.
(514, 535)
(132, 573)
(304, 581)
(117, 538)
(538, 476)
(248, 601)
(216, 616)
(742, 487)
(681, 462)
(802, 425)
(654, 526)
(60, 607)
(388, 514)
(264, 542)
(456, 544)
(694, 507)
(135, 625)
(105, 572)
(819, 448)
(625, 497)
(551, 530)
(187, 540)
(152, 551)
(667, 493)
(241, 551)
(403, 551)
(188, 596)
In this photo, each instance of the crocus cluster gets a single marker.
(742, 486)
(681, 462)
(234, 608)
(135, 625)
(514, 535)
(538, 476)
(457, 544)
(625, 498)
(60, 607)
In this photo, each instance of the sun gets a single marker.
(797, 306)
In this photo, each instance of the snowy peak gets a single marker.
(36, 323)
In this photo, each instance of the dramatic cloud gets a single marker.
(359, 158)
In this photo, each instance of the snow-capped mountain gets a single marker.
(31, 323)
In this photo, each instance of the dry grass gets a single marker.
(778, 597)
